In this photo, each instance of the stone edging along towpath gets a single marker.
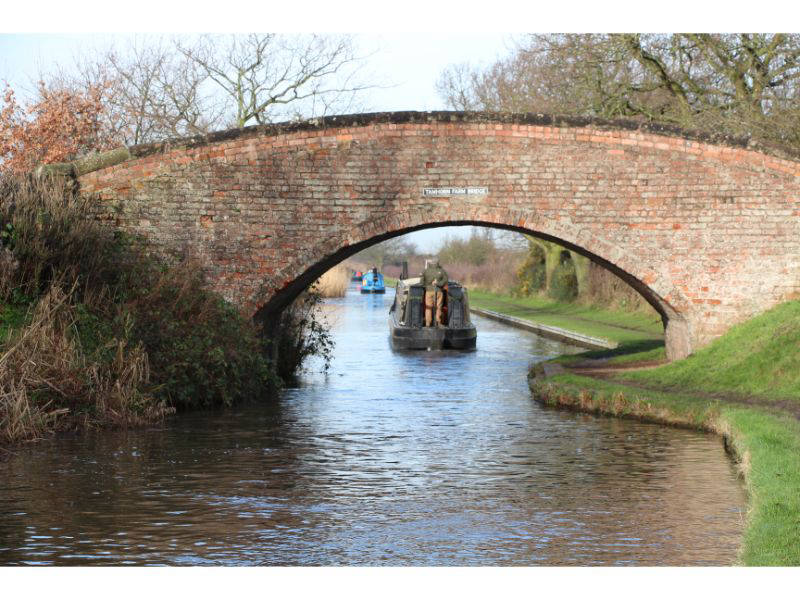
(548, 331)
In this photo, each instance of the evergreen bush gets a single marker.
(532, 274)
(564, 280)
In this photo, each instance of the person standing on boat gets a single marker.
(434, 278)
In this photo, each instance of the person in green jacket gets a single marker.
(435, 279)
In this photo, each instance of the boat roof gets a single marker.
(411, 281)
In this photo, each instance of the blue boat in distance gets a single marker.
(372, 283)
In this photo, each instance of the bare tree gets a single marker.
(459, 87)
(160, 88)
(269, 77)
(154, 92)
(743, 84)
(387, 252)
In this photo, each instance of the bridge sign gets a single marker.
(455, 191)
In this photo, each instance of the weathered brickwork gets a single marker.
(709, 233)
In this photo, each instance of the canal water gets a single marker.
(389, 459)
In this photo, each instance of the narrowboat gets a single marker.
(356, 276)
(407, 319)
(372, 283)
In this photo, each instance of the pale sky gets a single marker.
(410, 62)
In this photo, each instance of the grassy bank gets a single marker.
(760, 358)
(624, 328)
(744, 386)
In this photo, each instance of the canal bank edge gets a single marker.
(764, 445)
(745, 386)
(548, 331)
(584, 397)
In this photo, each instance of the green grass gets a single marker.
(636, 351)
(12, 316)
(767, 442)
(616, 326)
(773, 533)
(758, 358)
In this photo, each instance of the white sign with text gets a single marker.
(455, 191)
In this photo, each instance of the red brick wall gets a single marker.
(709, 233)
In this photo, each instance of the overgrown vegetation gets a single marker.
(550, 270)
(564, 280)
(93, 331)
(300, 334)
(532, 273)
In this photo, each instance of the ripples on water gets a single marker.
(390, 459)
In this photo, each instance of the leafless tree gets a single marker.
(153, 92)
(459, 86)
(160, 88)
(269, 77)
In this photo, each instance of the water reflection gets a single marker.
(390, 459)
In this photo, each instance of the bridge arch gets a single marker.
(376, 231)
(708, 230)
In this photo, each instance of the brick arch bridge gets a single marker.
(707, 230)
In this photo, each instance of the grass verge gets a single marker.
(760, 357)
(624, 328)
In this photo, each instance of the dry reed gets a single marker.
(46, 377)
(334, 283)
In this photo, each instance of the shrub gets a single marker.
(300, 333)
(564, 280)
(606, 289)
(532, 273)
(202, 352)
(57, 125)
(115, 337)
